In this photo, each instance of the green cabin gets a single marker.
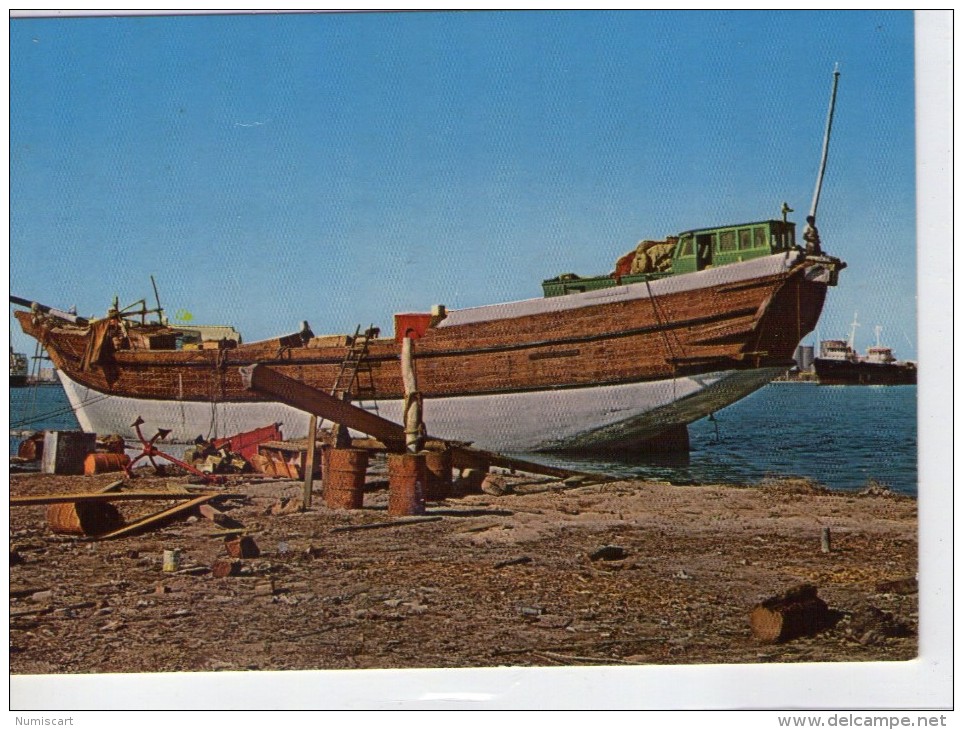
(695, 250)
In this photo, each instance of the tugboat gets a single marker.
(839, 363)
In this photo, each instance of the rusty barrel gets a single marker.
(83, 518)
(438, 464)
(98, 463)
(407, 475)
(344, 472)
(31, 448)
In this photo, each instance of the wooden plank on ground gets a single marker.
(393, 523)
(157, 517)
(36, 499)
(113, 486)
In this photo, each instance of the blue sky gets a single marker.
(339, 168)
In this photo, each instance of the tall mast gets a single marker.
(829, 129)
(852, 331)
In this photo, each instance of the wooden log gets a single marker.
(796, 613)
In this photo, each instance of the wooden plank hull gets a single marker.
(647, 343)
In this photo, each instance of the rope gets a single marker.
(663, 321)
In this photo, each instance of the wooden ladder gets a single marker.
(355, 363)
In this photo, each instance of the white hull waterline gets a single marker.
(617, 416)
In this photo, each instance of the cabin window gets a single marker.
(759, 237)
(704, 245)
(686, 249)
(727, 241)
(745, 239)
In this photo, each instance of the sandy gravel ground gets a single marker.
(497, 581)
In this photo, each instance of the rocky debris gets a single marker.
(286, 506)
(792, 485)
(871, 625)
(902, 586)
(428, 593)
(609, 552)
(522, 560)
(496, 485)
(874, 488)
(242, 547)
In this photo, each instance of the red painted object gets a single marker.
(413, 325)
(150, 451)
(245, 444)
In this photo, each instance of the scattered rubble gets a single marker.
(479, 580)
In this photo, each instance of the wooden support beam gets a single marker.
(316, 402)
(309, 461)
(294, 393)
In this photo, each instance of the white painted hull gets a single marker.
(615, 416)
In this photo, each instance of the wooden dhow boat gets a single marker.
(682, 328)
(605, 362)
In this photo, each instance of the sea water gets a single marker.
(843, 437)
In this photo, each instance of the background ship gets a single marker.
(18, 369)
(839, 363)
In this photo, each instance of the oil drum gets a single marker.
(407, 476)
(98, 463)
(83, 518)
(343, 473)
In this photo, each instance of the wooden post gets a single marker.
(310, 461)
(414, 427)
(824, 541)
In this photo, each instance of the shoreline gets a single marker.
(496, 581)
